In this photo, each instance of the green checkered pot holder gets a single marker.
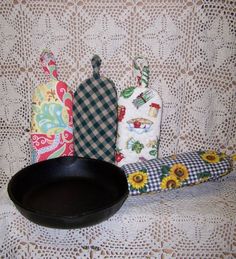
(95, 116)
(176, 171)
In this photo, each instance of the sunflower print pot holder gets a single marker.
(176, 171)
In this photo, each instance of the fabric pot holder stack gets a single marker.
(95, 116)
(176, 171)
(139, 119)
(51, 122)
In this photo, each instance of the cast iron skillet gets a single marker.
(68, 192)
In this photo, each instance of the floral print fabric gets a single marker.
(139, 119)
(51, 124)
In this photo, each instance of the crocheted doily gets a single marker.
(190, 46)
(192, 222)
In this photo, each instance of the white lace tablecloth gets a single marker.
(193, 222)
(190, 46)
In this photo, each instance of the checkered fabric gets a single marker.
(95, 116)
(196, 165)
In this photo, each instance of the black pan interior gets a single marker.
(73, 191)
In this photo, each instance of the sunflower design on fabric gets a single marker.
(170, 182)
(210, 157)
(180, 171)
(138, 180)
(225, 173)
(234, 157)
(203, 176)
(223, 156)
(173, 157)
(204, 179)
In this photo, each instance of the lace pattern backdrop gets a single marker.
(190, 45)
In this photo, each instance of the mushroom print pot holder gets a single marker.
(51, 124)
(176, 171)
(95, 116)
(139, 119)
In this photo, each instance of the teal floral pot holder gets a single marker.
(176, 171)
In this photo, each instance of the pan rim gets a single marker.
(107, 206)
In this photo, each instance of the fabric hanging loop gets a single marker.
(48, 62)
(96, 64)
(141, 71)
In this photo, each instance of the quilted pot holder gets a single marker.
(176, 171)
(95, 116)
(51, 123)
(139, 119)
